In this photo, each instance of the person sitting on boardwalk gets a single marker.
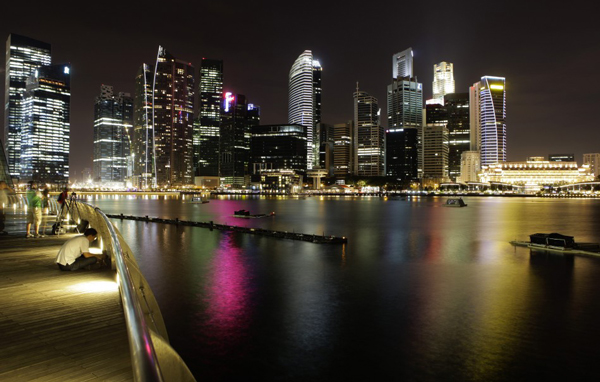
(75, 252)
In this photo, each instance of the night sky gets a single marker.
(550, 55)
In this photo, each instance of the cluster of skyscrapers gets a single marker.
(180, 129)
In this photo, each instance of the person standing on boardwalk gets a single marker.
(34, 210)
(4, 191)
(75, 252)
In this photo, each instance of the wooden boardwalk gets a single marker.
(58, 326)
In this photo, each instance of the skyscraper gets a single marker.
(171, 106)
(45, 131)
(237, 121)
(435, 153)
(401, 155)
(443, 81)
(305, 100)
(402, 64)
(113, 123)
(459, 132)
(206, 126)
(343, 149)
(143, 132)
(405, 111)
(369, 138)
(278, 147)
(488, 111)
(23, 56)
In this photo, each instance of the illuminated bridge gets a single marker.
(101, 324)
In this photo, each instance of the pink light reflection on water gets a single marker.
(228, 297)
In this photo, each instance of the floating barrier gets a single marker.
(320, 239)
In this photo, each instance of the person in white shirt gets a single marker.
(75, 252)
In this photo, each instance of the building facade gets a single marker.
(278, 147)
(206, 126)
(113, 124)
(470, 165)
(45, 130)
(23, 56)
(490, 114)
(593, 159)
(443, 81)
(402, 64)
(143, 149)
(369, 136)
(561, 157)
(305, 100)
(435, 154)
(343, 149)
(459, 130)
(237, 120)
(401, 155)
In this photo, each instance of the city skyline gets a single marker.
(523, 45)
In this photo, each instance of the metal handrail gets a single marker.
(143, 355)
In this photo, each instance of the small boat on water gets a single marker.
(199, 199)
(455, 202)
(555, 242)
(247, 215)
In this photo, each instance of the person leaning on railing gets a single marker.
(75, 252)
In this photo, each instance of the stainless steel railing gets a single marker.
(152, 358)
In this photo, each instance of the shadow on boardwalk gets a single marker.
(58, 326)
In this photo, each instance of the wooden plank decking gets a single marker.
(58, 326)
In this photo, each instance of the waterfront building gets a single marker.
(143, 152)
(113, 123)
(401, 154)
(45, 130)
(435, 154)
(593, 159)
(325, 134)
(305, 100)
(405, 111)
(277, 155)
(167, 118)
(343, 149)
(561, 158)
(459, 131)
(536, 173)
(443, 81)
(488, 118)
(237, 120)
(470, 165)
(23, 56)
(369, 146)
(402, 64)
(206, 126)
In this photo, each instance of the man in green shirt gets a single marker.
(34, 210)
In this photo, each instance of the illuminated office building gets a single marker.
(369, 136)
(402, 64)
(143, 131)
(305, 100)
(593, 160)
(404, 111)
(237, 120)
(435, 153)
(113, 123)
(163, 127)
(206, 126)
(488, 119)
(343, 149)
(443, 81)
(459, 131)
(45, 131)
(278, 147)
(23, 56)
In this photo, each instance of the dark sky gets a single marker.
(550, 55)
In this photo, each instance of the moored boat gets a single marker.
(455, 202)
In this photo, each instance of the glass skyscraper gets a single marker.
(369, 138)
(170, 109)
(206, 126)
(113, 122)
(143, 131)
(45, 131)
(23, 56)
(402, 64)
(443, 81)
(305, 100)
(489, 109)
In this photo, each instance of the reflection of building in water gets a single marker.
(536, 173)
